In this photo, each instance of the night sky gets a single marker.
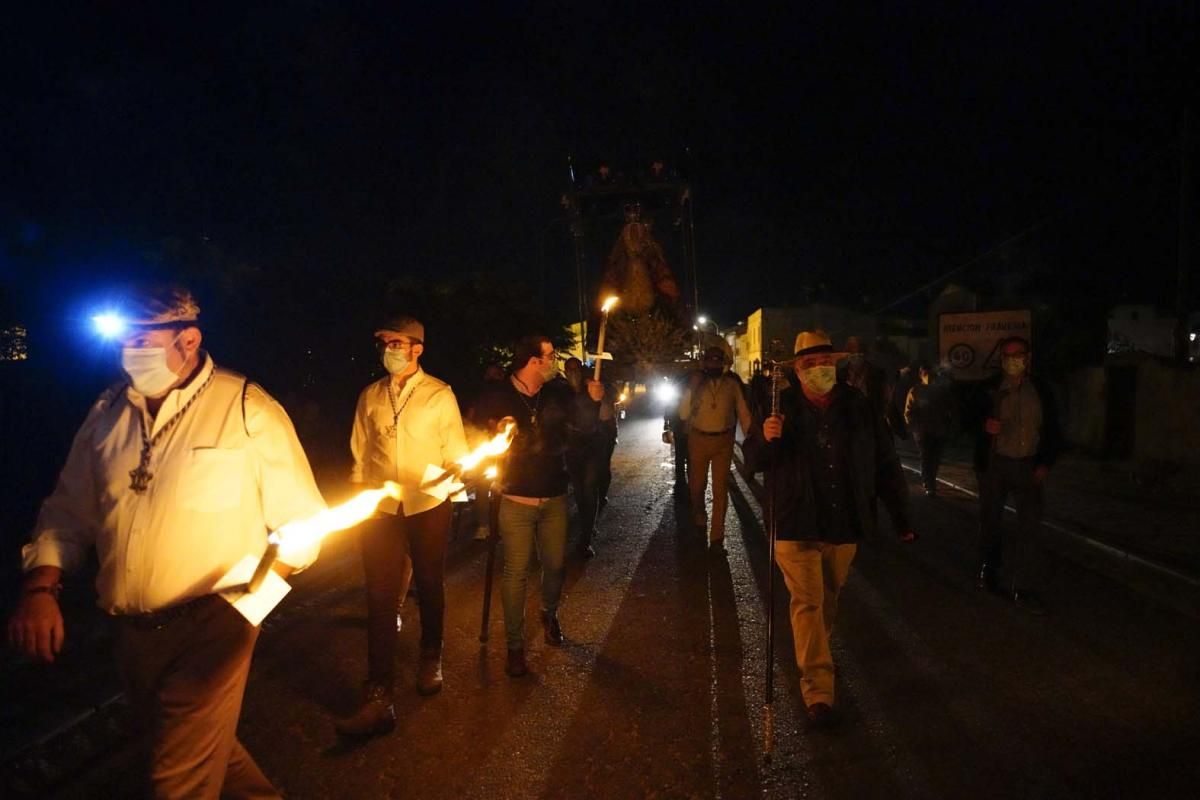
(862, 148)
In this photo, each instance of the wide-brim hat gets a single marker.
(405, 326)
(810, 343)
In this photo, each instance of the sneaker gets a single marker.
(429, 670)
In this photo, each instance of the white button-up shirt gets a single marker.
(229, 471)
(428, 430)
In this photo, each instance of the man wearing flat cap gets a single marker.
(177, 473)
(827, 456)
(711, 407)
(404, 422)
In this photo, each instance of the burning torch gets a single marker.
(303, 533)
(604, 309)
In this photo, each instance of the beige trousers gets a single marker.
(815, 573)
(185, 683)
(717, 452)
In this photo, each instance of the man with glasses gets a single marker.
(404, 422)
(177, 473)
(533, 483)
(711, 407)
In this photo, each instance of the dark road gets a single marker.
(944, 692)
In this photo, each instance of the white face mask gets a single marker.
(819, 380)
(395, 361)
(147, 369)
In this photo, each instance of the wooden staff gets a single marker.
(772, 533)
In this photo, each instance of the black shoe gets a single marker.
(554, 635)
(986, 580)
(1029, 603)
(515, 666)
(376, 716)
(586, 551)
(821, 715)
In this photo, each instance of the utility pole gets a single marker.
(1186, 237)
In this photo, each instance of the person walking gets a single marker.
(928, 414)
(712, 407)
(826, 456)
(533, 483)
(1017, 442)
(403, 422)
(177, 473)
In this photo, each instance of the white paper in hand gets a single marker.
(254, 607)
(441, 489)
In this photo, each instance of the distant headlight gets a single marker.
(666, 393)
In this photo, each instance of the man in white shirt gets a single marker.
(712, 408)
(404, 422)
(176, 474)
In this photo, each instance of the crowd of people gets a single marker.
(184, 467)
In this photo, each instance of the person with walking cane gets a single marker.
(827, 455)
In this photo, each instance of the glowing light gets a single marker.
(110, 325)
(491, 472)
(702, 320)
(609, 302)
(493, 447)
(666, 392)
(624, 396)
(303, 533)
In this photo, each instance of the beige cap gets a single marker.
(405, 326)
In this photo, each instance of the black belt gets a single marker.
(712, 433)
(157, 620)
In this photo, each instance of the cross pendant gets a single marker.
(139, 479)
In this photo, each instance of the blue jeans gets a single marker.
(522, 527)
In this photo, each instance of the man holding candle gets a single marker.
(404, 422)
(533, 505)
(176, 474)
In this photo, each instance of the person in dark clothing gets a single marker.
(678, 428)
(533, 483)
(1017, 442)
(871, 381)
(587, 457)
(928, 413)
(826, 458)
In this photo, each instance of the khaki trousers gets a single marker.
(703, 451)
(185, 682)
(815, 573)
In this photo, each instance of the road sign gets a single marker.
(969, 343)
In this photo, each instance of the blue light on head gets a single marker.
(110, 324)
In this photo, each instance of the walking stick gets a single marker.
(772, 531)
(493, 538)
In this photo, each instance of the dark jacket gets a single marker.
(874, 469)
(986, 400)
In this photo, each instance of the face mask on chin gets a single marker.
(147, 369)
(819, 380)
(550, 371)
(395, 361)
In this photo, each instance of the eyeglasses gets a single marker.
(395, 344)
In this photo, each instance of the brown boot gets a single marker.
(515, 667)
(429, 670)
(376, 716)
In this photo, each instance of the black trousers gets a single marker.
(1002, 478)
(385, 541)
(585, 466)
(931, 447)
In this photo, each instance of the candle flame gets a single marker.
(302, 533)
(609, 303)
(491, 472)
(493, 447)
